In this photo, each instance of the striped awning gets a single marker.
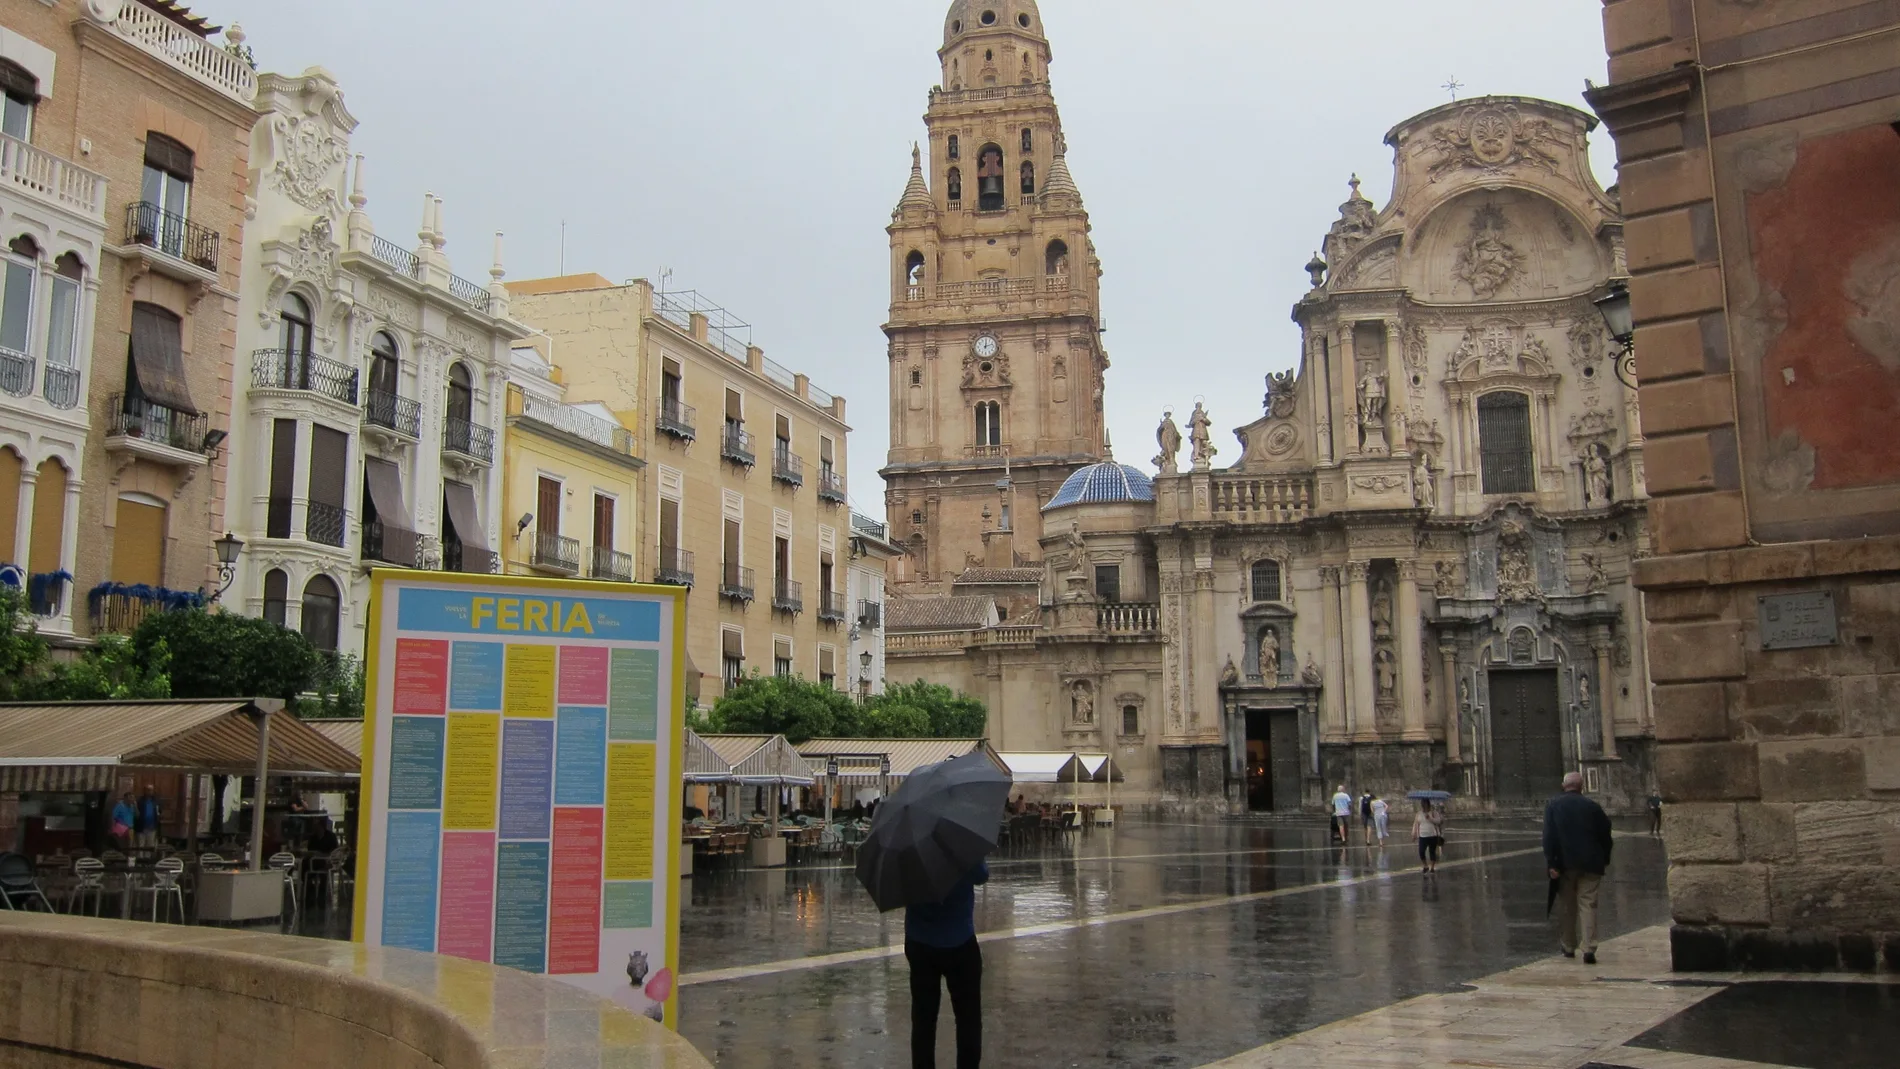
(703, 763)
(86, 741)
(761, 759)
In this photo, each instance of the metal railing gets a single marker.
(460, 557)
(174, 235)
(403, 415)
(135, 417)
(16, 373)
(1263, 498)
(831, 485)
(676, 419)
(394, 255)
(788, 595)
(865, 525)
(779, 373)
(469, 439)
(1127, 617)
(41, 174)
(390, 545)
(61, 386)
(735, 583)
(788, 467)
(723, 329)
(580, 424)
(821, 398)
(831, 606)
(469, 293)
(675, 567)
(871, 613)
(736, 445)
(557, 552)
(611, 564)
(285, 369)
(189, 52)
(324, 524)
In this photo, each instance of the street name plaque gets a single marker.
(1797, 621)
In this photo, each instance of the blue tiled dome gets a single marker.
(1102, 484)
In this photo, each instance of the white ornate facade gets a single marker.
(371, 386)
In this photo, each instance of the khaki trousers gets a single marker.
(1577, 902)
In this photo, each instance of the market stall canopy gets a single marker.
(860, 760)
(1100, 768)
(345, 733)
(79, 746)
(760, 759)
(1042, 766)
(703, 763)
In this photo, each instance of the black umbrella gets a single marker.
(942, 821)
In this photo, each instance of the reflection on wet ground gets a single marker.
(1154, 944)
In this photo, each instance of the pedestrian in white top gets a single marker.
(1342, 814)
(1379, 815)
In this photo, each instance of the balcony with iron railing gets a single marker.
(831, 485)
(285, 369)
(788, 467)
(831, 606)
(788, 595)
(871, 614)
(393, 412)
(556, 553)
(393, 255)
(869, 527)
(473, 294)
(175, 236)
(735, 583)
(138, 421)
(468, 560)
(610, 564)
(178, 47)
(468, 439)
(325, 524)
(52, 180)
(675, 567)
(736, 445)
(62, 386)
(676, 419)
(390, 545)
(578, 423)
(16, 372)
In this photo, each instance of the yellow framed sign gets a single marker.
(521, 768)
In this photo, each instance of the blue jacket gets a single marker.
(950, 923)
(1576, 835)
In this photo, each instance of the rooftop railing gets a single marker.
(473, 294)
(1124, 618)
(393, 254)
(579, 423)
(1263, 498)
(185, 50)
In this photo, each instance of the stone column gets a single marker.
(1333, 695)
(1454, 730)
(1606, 705)
(23, 518)
(1397, 385)
(1347, 389)
(1204, 670)
(1322, 400)
(1411, 656)
(1359, 632)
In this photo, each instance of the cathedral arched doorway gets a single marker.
(1273, 766)
(1527, 746)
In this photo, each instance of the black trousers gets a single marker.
(931, 969)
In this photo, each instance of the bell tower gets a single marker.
(996, 357)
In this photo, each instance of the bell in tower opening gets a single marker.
(989, 179)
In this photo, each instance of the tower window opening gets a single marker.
(1029, 136)
(955, 152)
(1056, 260)
(989, 179)
(989, 54)
(989, 18)
(914, 268)
(916, 377)
(989, 423)
(1029, 178)
(953, 185)
(957, 26)
(1023, 20)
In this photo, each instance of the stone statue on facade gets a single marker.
(1200, 433)
(1594, 579)
(1372, 404)
(1310, 675)
(1168, 437)
(1424, 493)
(1596, 476)
(1583, 690)
(1078, 550)
(1270, 655)
(1385, 670)
(1382, 613)
(1083, 704)
(1445, 585)
(1229, 675)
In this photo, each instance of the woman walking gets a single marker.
(1428, 827)
(1380, 815)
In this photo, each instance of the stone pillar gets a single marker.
(1204, 669)
(1606, 704)
(1333, 695)
(1359, 634)
(1411, 656)
(1346, 388)
(1322, 400)
(23, 518)
(1454, 729)
(1397, 384)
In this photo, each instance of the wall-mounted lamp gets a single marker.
(522, 524)
(228, 549)
(214, 439)
(1614, 306)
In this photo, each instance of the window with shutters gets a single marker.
(547, 510)
(1266, 580)
(283, 477)
(22, 91)
(1504, 443)
(731, 656)
(325, 517)
(782, 657)
(166, 183)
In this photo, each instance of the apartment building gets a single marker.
(745, 496)
(570, 480)
(872, 552)
(373, 386)
(123, 146)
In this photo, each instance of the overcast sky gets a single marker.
(757, 147)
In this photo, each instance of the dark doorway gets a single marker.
(1273, 760)
(1527, 753)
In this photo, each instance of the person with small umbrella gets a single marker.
(925, 853)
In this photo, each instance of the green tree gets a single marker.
(111, 670)
(218, 654)
(339, 690)
(22, 650)
(783, 705)
(949, 714)
(895, 720)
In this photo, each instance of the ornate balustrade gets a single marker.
(1263, 498)
(1128, 617)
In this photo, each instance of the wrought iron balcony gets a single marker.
(831, 485)
(135, 417)
(736, 445)
(472, 294)
(787, 595)
(788, 467)
(735, 583)
(871, 614)
(16, 373)
(469, 439)
(390, 545)
(284, 369)
(612, 565)
(831, 606)
(459, 557)
(676, 567)
(676, 419)
(324, 524)
(557, 553)
(174, 235)
(62, 386)
(393, 411)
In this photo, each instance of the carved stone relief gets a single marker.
(1486, 262)
(1495, 138)
(307, 154)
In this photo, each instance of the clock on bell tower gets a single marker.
(996, 357)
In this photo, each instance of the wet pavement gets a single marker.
(1154, 944)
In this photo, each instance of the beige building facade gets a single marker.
(746, 483)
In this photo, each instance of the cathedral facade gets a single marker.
(1412, 569)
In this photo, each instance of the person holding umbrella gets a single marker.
(925, 853)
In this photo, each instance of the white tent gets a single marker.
(1042, 766)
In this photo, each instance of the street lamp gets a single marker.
(228, 549)
(864, 673)
(1615, 309)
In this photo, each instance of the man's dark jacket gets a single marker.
(1576, 835)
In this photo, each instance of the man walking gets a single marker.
(1342, 814)
(1365, 815)
(1577, 847)
(940, 944)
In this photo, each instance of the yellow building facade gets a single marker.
(744, 497)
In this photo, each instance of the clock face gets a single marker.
(986, 346)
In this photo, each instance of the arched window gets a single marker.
(62, 332)
(989, 179)
(293, 342)
(953, 185)
(914, 268)
(320, 604)
(16, 313)
(461, 411)
(989, 423)
(1504, 443)
(1029, 179)
(385, 368)
(22, 91)
(955, 152)
(276, 596)
(1266, 580)
(1055, 260)
(1029, 136)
